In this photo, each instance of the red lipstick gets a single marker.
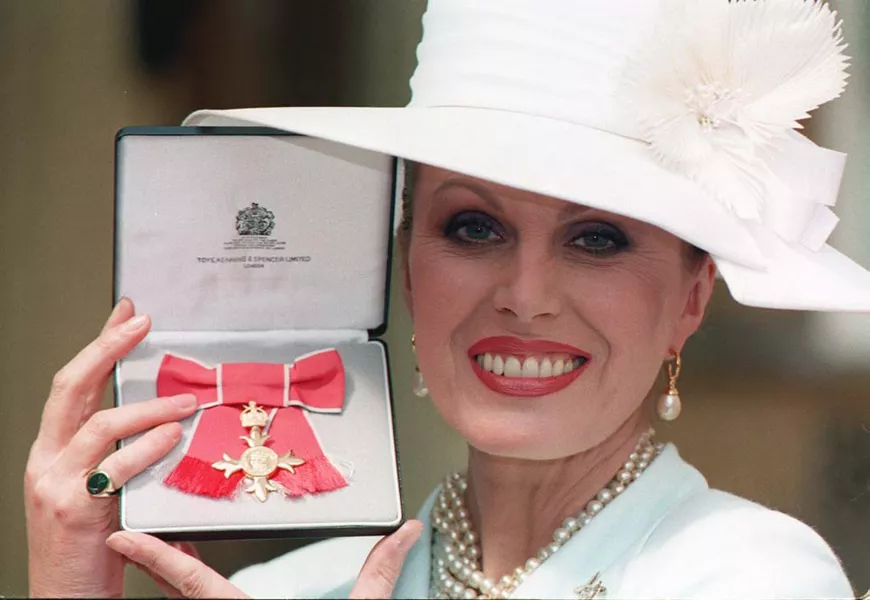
(521, 349)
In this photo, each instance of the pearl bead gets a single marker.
(464, 574)
(560, 536)
(469, 594)
(532, 564)
(505, 581)
(628, 465)
(553, 547)
(454, 535)
(605, 496)
(617, 488)
(543, 554)
(470, 537)
(476, 578)
(633, 457)
(624, 476)
(486, 585)
(669, 407)
(594, 507)
(642, 465)
(473, 552)
(571, 524)
(519, 572)
(457, 588)
(586, 520)
(455, 566)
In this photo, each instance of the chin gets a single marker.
(512, 435)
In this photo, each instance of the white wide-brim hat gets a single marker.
(678, 113)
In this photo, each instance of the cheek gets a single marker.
(634, 316)
(447, 294)
(445, 290)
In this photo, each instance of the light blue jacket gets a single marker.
(667, 536)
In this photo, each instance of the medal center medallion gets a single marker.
(259, 461)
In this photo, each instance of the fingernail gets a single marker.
(135, 323)
(186, 401)
(119, 543)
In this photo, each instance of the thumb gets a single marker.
(378, 575)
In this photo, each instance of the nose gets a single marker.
(529, 288)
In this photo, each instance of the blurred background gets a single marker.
(776, 403)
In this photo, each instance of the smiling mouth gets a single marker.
(542, 366)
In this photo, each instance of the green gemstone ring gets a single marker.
(99, 484)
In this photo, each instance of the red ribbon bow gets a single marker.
(314, 382)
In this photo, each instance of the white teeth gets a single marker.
(546, 368)
(498, 365)
(530, 368)
(512, 367)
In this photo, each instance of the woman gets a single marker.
(579, 173)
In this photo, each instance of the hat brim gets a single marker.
(589, 167)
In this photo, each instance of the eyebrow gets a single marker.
(572, 210)
(485, 194)
(567, 213)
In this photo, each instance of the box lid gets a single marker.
(238, 229)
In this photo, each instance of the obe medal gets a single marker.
(258, 462)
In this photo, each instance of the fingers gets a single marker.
(131, 460)
(183, 572)
(122, 311)
(102, 430)
(378, 575)
(77, 387)
(164, 586)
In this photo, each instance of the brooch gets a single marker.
(592, 589)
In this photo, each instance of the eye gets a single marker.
(473, 228)
(598, 238)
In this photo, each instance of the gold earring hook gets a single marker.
(674, 371)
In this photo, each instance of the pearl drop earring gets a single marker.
(669, 405)
(420, 389)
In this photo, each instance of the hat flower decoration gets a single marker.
(720, 88)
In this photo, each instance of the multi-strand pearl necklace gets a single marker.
(456, 559)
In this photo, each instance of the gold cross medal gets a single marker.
(258, 462)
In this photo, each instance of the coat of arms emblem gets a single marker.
(255, 220)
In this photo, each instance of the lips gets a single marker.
(529, 368)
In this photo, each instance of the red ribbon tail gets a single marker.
(316, 475)
(195, 476)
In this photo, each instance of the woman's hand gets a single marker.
(66, 527)
(181, 575)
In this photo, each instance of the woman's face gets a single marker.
(541, 324)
